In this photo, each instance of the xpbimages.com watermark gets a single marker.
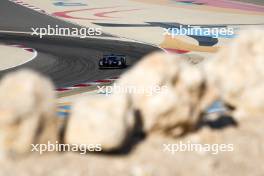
(197, 147)
(57, 147)
(215, 32)
(131, 89)
(62, 31)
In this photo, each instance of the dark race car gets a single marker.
(112, 61)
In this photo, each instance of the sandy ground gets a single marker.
(12, 56)
(148, 157)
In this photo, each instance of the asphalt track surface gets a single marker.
(66, 60)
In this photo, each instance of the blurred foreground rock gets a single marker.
(27, 112)
(175, 93)
(238, 75)
(100, 120)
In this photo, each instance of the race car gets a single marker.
(112, 61)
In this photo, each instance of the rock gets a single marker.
(100, 121)
(149, 75)
(189, 99)
(27, 112)
(178, 93)
(194, 59)
(237, 74)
